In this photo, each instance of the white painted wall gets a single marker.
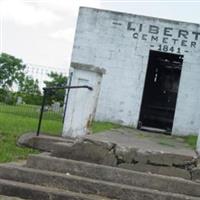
(103, 39)
(82, 103)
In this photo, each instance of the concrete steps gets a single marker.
(95, 170)
(114, 174)
(102, 151)
(31, 191)
(78, 185)
(46, 177)
(136, 159)
(43, 142)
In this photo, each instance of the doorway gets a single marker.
(160, 91)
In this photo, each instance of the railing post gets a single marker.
(41, 111)
(67, 96)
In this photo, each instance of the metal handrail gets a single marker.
(44, 99)
(68, 87)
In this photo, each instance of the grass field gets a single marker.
(16, 120)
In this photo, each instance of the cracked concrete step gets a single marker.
(114, 174)
(131, 158)
(85, 185)
(43, 142)
(162, 170)
(33, 192)
(112, 154)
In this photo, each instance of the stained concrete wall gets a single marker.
(120, 43)
(82, 103)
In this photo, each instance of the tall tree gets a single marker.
(29, 91)
(29, 86)
(57, 80)
(11, 71)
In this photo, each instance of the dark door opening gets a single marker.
(160, 91)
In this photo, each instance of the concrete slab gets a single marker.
(125, 148)
(147, 141)
(43, 142)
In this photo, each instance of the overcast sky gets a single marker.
(41, 31)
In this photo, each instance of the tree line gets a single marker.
(12, 74)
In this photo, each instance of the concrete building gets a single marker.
(152, 70)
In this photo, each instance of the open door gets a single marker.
(160, 91)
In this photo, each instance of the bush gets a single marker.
(31, 99)
(3, 94)
(8, 97)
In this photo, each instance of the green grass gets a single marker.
(32, 111)
(97, 127)
(14, 123)
(191, 140)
